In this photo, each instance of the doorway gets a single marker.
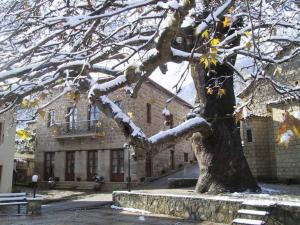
(117, 165)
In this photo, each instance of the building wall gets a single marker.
(113, 138)
(281, 161)
(258, 152)
(7, 150)
(287, 157)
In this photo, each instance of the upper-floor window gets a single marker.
(51, 118)
(249, 135)
(93, 115)
(71, 118)
(148, 112)
(1, 133)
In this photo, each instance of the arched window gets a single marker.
(93, 115)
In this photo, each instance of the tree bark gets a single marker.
(223, 166)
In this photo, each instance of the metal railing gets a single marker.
(79, 127)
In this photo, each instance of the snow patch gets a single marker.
(130, 210)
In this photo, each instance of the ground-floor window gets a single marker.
(186, 157)
(172, 159)
(117, 165)
(70, 166)
(92, 164)
(49, 165)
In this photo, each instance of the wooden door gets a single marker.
(49, 165)
(117, 165)
(148, 165)
(172, 159)
(70, 166)
(92, 164)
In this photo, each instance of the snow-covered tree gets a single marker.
(46, 43)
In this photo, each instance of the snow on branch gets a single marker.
(138, 138)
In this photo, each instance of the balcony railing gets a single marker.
(78, 128)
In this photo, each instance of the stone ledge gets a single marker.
(211, 208)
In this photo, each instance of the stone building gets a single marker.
(88, 143)
(7, 150)
(267, 159)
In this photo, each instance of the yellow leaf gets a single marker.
(42, 113)
(296, 130)
(213, 50)
(34, 103)
(74, 95)
(213, 58)
(205, 34)
(248, 45)
(210, 91)
(215, 42)
(226, 21)
(24, 134)
(204, 60)
(277, 71)
(221, 92)
(24, 104)
(248, 33)
(130, 114)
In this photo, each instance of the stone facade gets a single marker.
(267, 159)
(7, 150)
(108, 137)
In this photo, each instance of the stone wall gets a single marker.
(200, 208)
(258, 151)
(269, 160)
(287, 157)
(113, 138)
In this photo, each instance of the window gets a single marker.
(1, 133)
(172, 159)
(70, 166)
(51, 118)
(117, 165)
(71, 118)
(186, 157)
(93, 115)
(0, 173)
(49, 165)
(92, 164)
(148, 113)
(249, 135)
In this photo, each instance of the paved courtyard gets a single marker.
(66, 207)
(100, 215)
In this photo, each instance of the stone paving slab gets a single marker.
(102, 216)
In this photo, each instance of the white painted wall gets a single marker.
(7, 150)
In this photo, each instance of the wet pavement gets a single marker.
(100, 216)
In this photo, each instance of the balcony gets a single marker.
(86, 128)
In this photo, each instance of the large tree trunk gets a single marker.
(223, 166)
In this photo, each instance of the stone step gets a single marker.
(259, 203)
(248, 221)
(253, 212)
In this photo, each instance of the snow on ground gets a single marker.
(129, 209)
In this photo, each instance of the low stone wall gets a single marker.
(199, 208)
